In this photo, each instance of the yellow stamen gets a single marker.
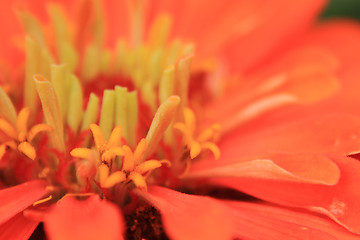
(147, 166)
(212, 147)
(133, 116)
(21, 123)
(128, 161)
(65, 48)
(8, 129)
(91, 66)
(148, 93)
(139, 151)
(51, 111)
(159, 31)
(115, 178)
(27, 149)
(112, 153)
(91, 112)
(138, 180)
(187, 134)
(173, 52)
(209, 133)
(75, 110)
(7, 109)
(81, 152)
(121, 109)
(35, 130)
(155, 65)
(203, 141)
(182, 79)
(107, 112)
(42, 200)
(136, 8)
(32, 27)
(195, 149)
(58, 77)
(98, 137)
(115, 137)
(103, 171)
(162, 119)
(189, 118)
(32, 67)
(166, 86)
(105, 61)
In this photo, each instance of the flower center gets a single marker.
(138, 92)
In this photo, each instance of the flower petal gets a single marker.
(187, 217)
(302, 76)
(18, 228)
(239, 30)
(93, 218)
(15, 199)
(301, 168)
(310, 134)
(262, 221)
(340, 202)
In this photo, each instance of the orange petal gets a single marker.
(301, 168)
(18, 228)
(262, 221)
(187, 217)
(340, 202)
(15, 199)
(94, 219)
(313, 134)
(304, 75)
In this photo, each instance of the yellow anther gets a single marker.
(139, 151)
(8, 129)
(38, 128)
(91, 112)
(138, 180)
(81, 152)
(128, 164)
(115, 137)
(212, 147)
(27, 149)
(7, 109)
(103, 171)
(209, 133)
(189, 118)
(147, 166)
(110, 154)
(115, 178)
(187, 134)
(195, 149)
(21, 122)
(98, 137)
(203, 140)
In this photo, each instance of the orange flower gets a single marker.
(194, 97)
